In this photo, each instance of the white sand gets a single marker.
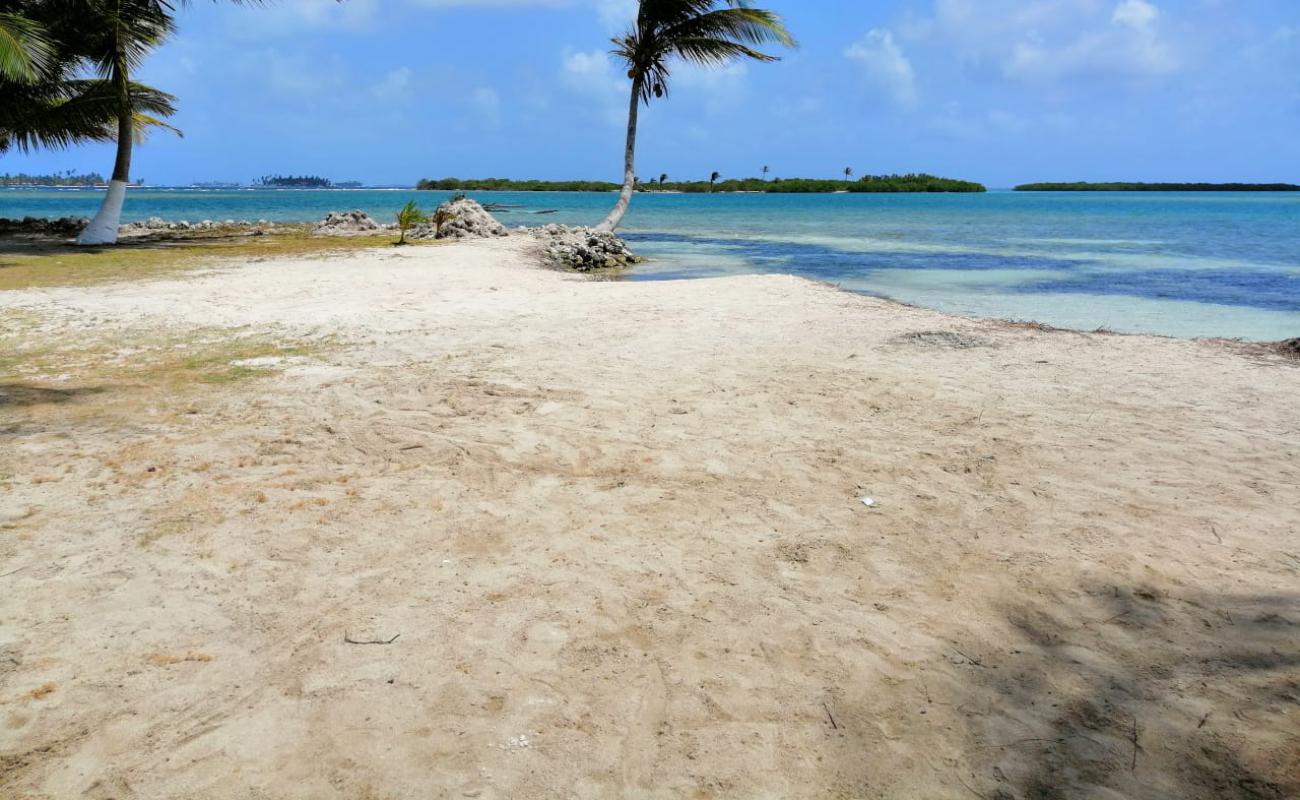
(617, 531)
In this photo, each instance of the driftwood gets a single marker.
(348, 638)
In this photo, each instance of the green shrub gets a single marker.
(409, 216)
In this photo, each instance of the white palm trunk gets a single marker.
(103, 228)
(629, 164)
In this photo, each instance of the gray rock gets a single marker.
(63, 226)
(347, 223)
(469, 220)
(582, 249)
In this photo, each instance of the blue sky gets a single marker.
(1001, 91)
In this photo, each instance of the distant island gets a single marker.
(57, 179)
(1084, 186)
(302, 182)
(866, 184)
(294, 182)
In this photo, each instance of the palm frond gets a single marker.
(146, 124)
(57, 115)
(745, 25)
(705, 32)
(25, 48)
(716, 52)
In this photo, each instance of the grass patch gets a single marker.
(29, 264)
(39, 370)
(219, 363)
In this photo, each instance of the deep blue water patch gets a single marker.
(1268, 289)
(829, 263)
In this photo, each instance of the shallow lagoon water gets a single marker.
(1179, 264)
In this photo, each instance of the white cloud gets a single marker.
(1046, 41)
(1129, 46)
(594, 76)
(885, 66)
(613, 14)
(1137, 14)
(592, 70)
(289, 17)
(616, 14)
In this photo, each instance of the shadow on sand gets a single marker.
(1114, 691)
(19, 395)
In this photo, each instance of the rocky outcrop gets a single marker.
(39, 226)
(1289, 347)
(347, 223)
(463, 219)
(562, 247)
(156, 225)
(582, 249)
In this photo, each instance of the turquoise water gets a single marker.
(1181, 264)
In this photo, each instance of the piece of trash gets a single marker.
(869, 502)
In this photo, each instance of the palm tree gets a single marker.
(663, 179)
(848, 173)
(407, 217)
(766, 170)
(118, 34)
(48, 106)
(697, 31)
(714, 179)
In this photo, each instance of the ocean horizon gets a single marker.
(1186, 264)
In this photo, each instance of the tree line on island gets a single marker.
(294, 182)
(865, 184)
(66, 178)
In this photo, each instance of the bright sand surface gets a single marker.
(614, 536)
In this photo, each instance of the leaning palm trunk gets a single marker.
(103, 228)
(629, 165)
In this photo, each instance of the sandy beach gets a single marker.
(436, 522)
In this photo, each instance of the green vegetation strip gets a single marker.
(36, 366)
(26, 264)
(58, 179)
(867, 184)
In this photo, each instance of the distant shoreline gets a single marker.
(917, 183)
(1084, 186)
